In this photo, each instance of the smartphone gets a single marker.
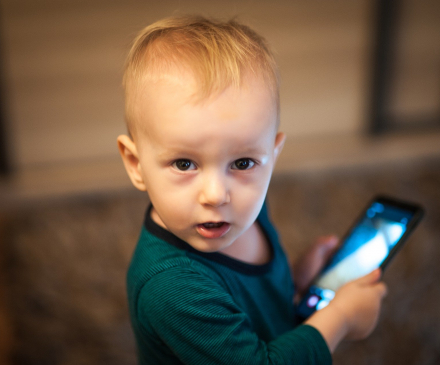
(371, 242)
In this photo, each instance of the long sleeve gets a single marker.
(202, 324)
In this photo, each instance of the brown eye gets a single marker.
(183, 165)
(243, 164)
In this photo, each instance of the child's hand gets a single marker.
(312, 261)
(359, 302)
(353, 312)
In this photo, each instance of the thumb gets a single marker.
(371, 278)
(327, 246)
(329, 242)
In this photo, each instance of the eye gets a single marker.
(183, 165)
(243, 164)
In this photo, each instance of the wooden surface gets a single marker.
(64, 62)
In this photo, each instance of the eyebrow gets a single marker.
(251, 151)
(171, 153)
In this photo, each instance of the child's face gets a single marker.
(207, 165)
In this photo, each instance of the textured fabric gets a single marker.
(189, 307)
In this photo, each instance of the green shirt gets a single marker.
(190, 307)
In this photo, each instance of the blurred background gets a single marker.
(360, 104)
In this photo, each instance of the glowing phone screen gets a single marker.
(364, 249)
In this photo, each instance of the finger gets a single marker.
(382, 288)
(370, 278)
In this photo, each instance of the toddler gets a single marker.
(209, 282)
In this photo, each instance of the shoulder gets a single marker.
(184, 290)
(182, 279)
(154, 255)
(158, 268)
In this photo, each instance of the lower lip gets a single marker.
(213, 232)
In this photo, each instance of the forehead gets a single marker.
(170, 110)
(182, 77)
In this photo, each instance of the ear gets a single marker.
(279, 144)
(130, 157)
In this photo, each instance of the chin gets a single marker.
(211, 246)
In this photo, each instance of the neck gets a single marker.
(251, 247)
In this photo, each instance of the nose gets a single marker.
(214, 191)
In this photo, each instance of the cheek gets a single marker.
(162, 182)
(170, 198)
(250, 194)
(173, 210)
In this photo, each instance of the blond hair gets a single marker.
(219, 54)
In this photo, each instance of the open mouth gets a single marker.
(213, 229)
(213, 225)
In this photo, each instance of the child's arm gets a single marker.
(354, 311)
(184, 314)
